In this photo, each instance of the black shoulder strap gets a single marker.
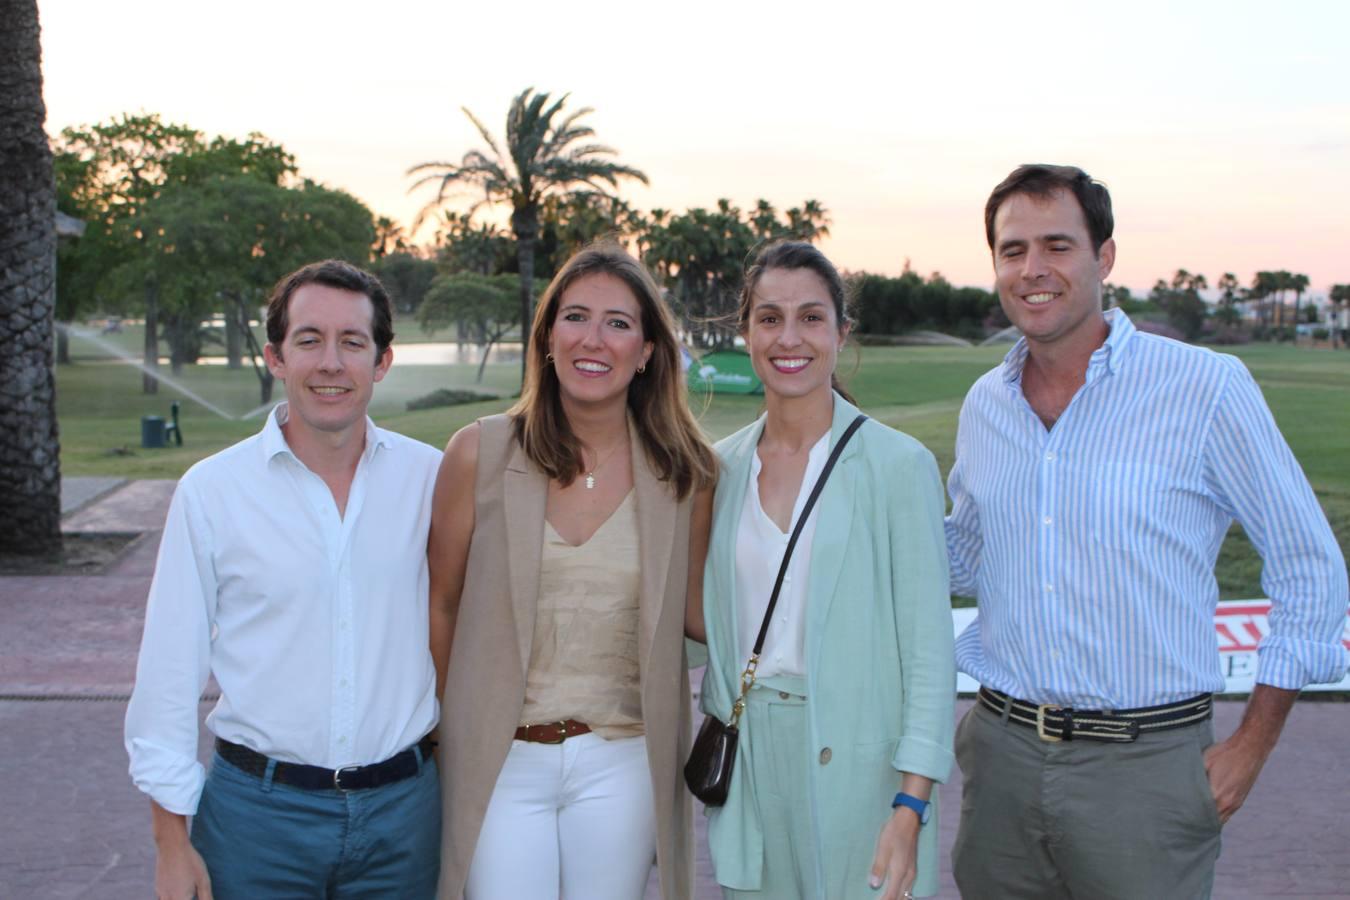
(801, 521)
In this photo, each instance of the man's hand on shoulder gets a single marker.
(180, 872)
(1233, 764)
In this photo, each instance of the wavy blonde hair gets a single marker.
(657, 398)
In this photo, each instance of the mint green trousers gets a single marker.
(779, 764)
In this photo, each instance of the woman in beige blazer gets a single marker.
(564, 534)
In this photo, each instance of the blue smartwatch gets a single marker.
(922, 808)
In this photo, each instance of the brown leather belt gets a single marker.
(551, 732)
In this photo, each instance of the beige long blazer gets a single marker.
(485, 685)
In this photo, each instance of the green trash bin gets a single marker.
(152, 431)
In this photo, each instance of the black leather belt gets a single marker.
(316, 778)
(1064, 723)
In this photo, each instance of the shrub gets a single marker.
(446, 397)
(1229, 335)
(1159, 328)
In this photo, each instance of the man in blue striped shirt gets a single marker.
(1097, 472)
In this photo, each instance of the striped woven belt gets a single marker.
(1064, 723)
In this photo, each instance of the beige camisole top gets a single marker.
(584, 657)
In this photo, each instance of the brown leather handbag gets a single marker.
(713, 756)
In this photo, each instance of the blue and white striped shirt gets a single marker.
(1091, 546)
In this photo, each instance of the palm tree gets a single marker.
(545, 153)
(1339, 296)
(1228, 286)
(30, 470)
(1265, 285)
(810, 222)
(1298, 283)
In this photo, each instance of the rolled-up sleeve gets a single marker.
(924, 621)
(1254, 476)
(174, 662)
(962, 527)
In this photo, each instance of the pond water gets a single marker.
(440, 353)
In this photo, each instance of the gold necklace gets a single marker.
(590, 475)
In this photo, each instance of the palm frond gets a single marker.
(586, 150)
(482, 130)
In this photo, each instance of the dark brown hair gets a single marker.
(332, 273)
(657, 398)
(1043, 182)
(797, 255)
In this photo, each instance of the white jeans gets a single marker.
(573, 821)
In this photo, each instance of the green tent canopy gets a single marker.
(724, 372)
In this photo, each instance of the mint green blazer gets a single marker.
(881, 676)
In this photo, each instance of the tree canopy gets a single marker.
(547, 152)
(181, 227)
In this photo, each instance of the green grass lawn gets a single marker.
(915, 389)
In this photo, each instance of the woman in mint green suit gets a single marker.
(850, 722)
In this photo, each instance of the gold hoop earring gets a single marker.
(548, 357)
(642, 368)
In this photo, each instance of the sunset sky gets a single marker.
(1222, 129)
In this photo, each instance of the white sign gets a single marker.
(1239, 626)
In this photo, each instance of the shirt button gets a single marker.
(825, 756)
(1048, 520)
(343, 624)
(1049, 587)
(343, 682)
(783, 695)
(342, 740)
(1050, 456)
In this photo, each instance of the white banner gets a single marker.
(1239, 626)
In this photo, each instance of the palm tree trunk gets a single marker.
(30, 465)
(525, 223)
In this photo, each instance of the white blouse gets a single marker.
(759, 554)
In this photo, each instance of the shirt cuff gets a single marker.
(172, 780)
(1293, 664)
(920, 756)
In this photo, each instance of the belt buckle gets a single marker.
(1040, 723)
(337, 777)
(562, 733)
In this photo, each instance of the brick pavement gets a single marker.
(73, 825)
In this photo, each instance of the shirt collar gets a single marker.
(1111, 354)
(274, 439)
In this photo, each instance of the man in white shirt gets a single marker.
(293, 569)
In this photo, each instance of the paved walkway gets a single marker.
(73, 826)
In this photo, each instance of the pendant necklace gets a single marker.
(590, 476)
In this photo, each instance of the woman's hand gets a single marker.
(894, 865)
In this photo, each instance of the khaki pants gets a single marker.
(1083, 820)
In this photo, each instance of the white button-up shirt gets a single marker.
(313, 623)
(759, 555)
